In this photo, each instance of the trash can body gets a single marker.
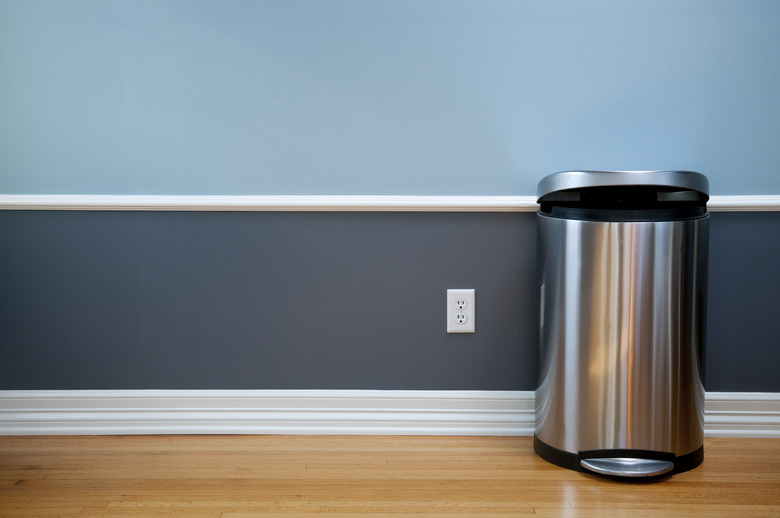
(622, 284)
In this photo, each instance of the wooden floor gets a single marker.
(301, 476)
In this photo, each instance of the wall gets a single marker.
(425, 97)
(255, 300)
(263, 300)
(300, 97)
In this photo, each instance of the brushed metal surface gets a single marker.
(622, 327)
(565, 180)
(628, 467)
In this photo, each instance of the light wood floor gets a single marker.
(300, 476)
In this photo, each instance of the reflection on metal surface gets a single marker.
(628, 467)
(622, 323)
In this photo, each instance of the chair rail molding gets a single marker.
(325, 203)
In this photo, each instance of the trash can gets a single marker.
(622, 278)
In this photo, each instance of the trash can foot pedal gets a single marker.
(627, 466)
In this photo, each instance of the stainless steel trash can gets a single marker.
(622, 275)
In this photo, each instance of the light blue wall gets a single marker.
(383, 97)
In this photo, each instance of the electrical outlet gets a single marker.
(460, 311)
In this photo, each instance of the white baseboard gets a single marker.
(351, 412)
(324, 412)
(327, 203)
(742, 414)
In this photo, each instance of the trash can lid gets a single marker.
(567, 180)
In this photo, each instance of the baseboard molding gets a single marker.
(319, 412)
(742, 414)
(345, 203)
(324, 412)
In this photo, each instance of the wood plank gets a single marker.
(300, 476)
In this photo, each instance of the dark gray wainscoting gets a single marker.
(261, 300)
(743, 331)
(321, 300)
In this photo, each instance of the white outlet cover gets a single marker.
(460, 311)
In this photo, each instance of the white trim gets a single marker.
(346, 203)
(351, 412)
(757, 203)
(323, 412)
(742, 414)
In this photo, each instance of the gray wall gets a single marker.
(256, 300)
